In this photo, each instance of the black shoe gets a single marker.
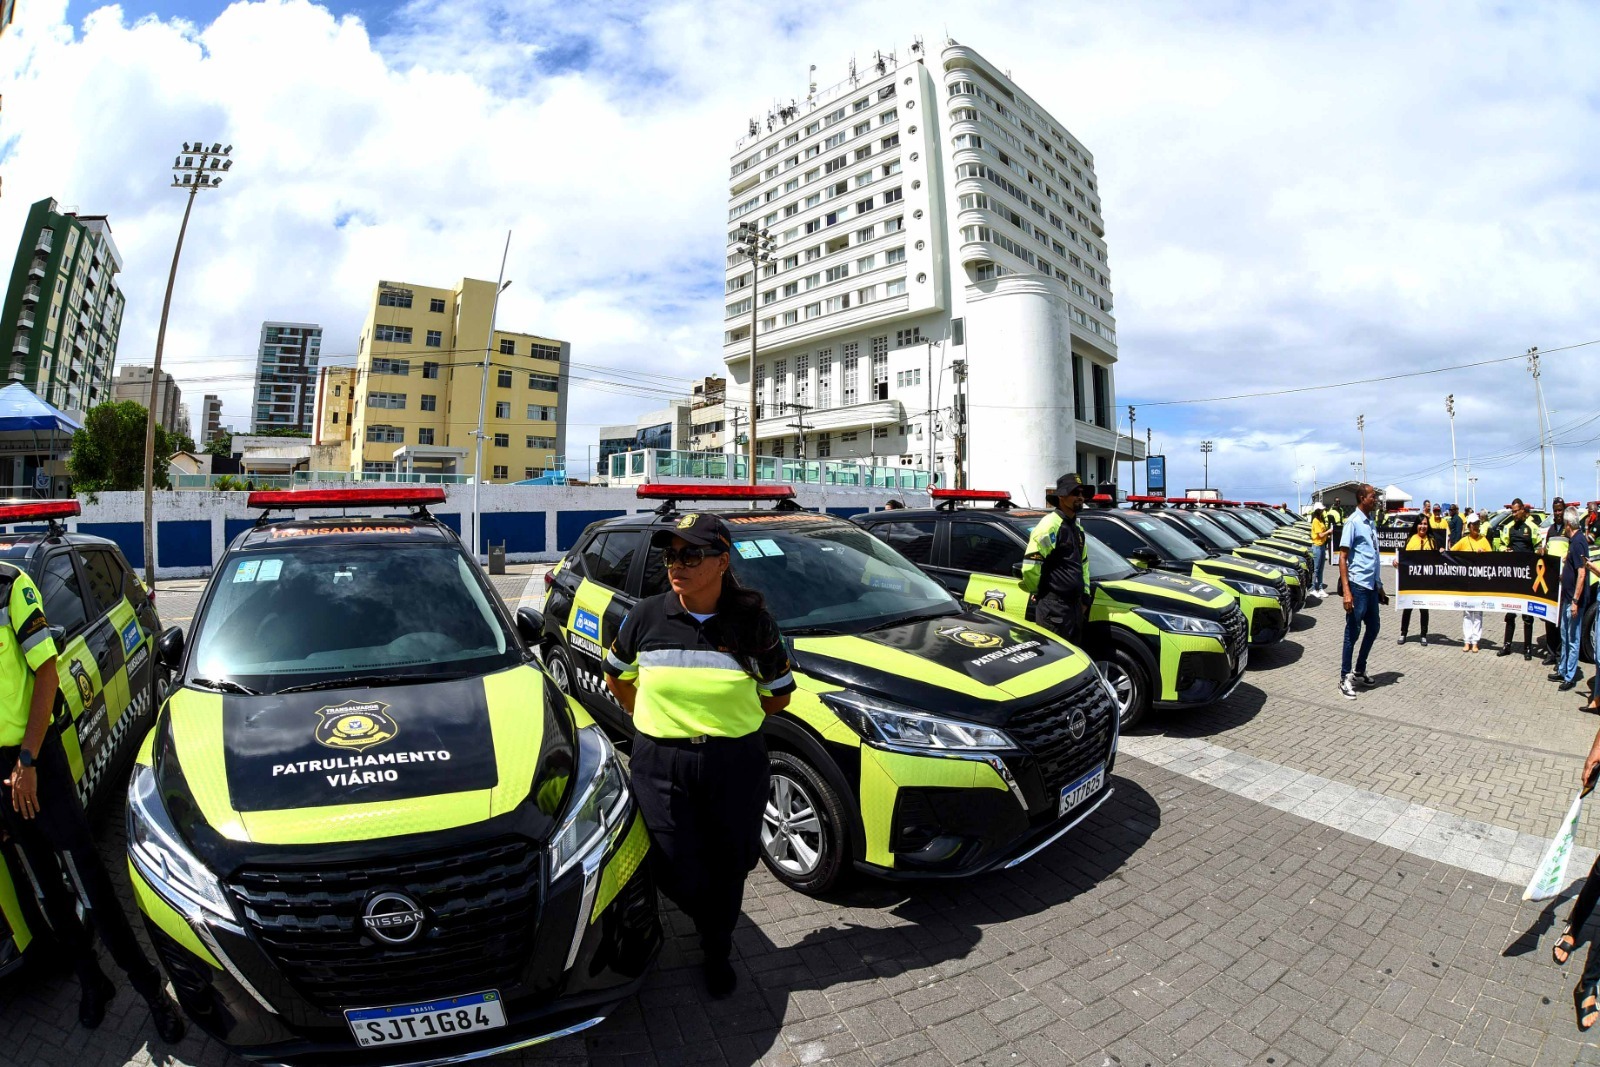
(1402, 640)
(1361, 676)
(1564, 686)
(1527, 654)
(720, 978)
(1554, 676)
(167, 1018)
(1423, 640)
(97, 993)
(1505, 650)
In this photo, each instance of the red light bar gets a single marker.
(1147, 499)
(663, 491)
(48, 509)
(277, 500)
(969, 494)
(1101, 498)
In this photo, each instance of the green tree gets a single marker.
(280, 431)
(108, 452)
(182, 442)
(220, 445)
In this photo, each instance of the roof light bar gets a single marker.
(48, 509)
(1101, 498)
(291, 499)
(663, 491)
(969, 494)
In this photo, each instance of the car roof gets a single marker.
(344, 529)
(26, 544)
(735, 517)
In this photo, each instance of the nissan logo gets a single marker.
(393, 918)
(1079, 725)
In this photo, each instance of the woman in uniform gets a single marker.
(699, 668)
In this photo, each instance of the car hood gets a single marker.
(345, 765)
(1239, 567)
(973, 665)
(1171, 592)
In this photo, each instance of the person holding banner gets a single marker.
(1362, 589)
(1586, 995)
(1574, 598)
(1421, 540)
(1521, 534)
(1471, 621)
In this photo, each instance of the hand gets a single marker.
(1349, 603)
(1573, 609)
(24, 783)
(1588, 768)
(1383, 598)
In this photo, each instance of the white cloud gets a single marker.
(1294, 194)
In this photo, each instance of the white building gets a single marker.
(939, 295)
(286, 376)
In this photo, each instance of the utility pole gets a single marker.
(199, 168)
(1361, 427)
(1472, 490)
(1538, 396)
(1455, 478)
(1133, 460)
(799, 425)
(483, 395)
(958, 370)
(755, 243)
(1206, 448)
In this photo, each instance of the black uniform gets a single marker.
(1055, 568)
(1520, 536)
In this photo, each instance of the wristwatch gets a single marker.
(25, 757)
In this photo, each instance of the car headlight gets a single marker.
(162, 858)
(897, 726)
(1252, 588)
(599, 803)
(1172, 622)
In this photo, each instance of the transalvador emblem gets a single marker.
(688, 520)
(994, 599)
(355, 726)
(970, 638)
(85, 684)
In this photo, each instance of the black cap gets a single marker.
(697, 528)
(1070, 483)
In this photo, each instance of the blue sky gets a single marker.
(1296, 193)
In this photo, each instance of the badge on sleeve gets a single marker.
(29, 595)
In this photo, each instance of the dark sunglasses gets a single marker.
(692, 556)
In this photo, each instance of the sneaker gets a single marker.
(1347, 686)
(1361, 676)
(1402, 640)
(1423, 640)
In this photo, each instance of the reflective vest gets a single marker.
(25, 646)
(1053, 565)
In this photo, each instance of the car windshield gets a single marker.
(1172, 544)
(301, 614)
(1244, 533)
(1207, 531)
(1104, 563)
(1254, 520)
(833, 577)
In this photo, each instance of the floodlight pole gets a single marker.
(755, 243)
(483, 395)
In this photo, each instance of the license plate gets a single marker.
(1244, 657)
(1075, 793)
(403, 1023)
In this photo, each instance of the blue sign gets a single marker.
(587, 623)
(1155, 475)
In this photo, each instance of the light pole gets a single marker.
(1472, 491)
(755, 244)
(198, 167)
(1206, 448)
(483, 395)
(1455, 477)
(1361, 427)
(1133, 461)
(1538, 396)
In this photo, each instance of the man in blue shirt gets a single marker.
(1574, 586)
(1363, 590)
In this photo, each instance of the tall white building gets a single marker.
(939, 295)
(286, 376)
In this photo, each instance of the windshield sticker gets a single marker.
(769, 547)
(247, 570)
(355, 726)
(747, 549)
(782, 516)
(279, 533)
(879, 581)
(270, 569)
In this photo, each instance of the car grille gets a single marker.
(1046, 732)
(1236, 630)
(481, 904)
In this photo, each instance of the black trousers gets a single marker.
(1405, 621)
(1527, 630)
(61, 829)
(1552, 638)
(702, 804)
(1060, 616)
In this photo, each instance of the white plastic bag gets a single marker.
(1551, 874)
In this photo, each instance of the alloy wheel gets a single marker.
(791, 832)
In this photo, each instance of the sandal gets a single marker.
(1564, 947)
(1585, 996)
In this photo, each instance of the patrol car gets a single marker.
(104, 622)
(1261, 590)
(1161, 640)
(1272, 531)
(366, 828)
(1220, 532)
(925, 739)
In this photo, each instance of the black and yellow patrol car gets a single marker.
(925, 739)
(105, 624)
(1274, 533)
(1261, 590)
(1223, 533)
(1162, 641)
(366, 828)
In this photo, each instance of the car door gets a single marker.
(599, 604)
(83, 647)
(986, 555)
(126, 662)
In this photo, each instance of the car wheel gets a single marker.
(558, 665)
(803, 838)
(1131, 685)
(1586, 650)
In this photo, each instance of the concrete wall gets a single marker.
(536, 522)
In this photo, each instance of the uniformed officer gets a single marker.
(699, 668)
(1055, 567)
(1554, 547)
(43, 816)
(1519, 534)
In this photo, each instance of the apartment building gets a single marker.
(418, 383)
(939, 292)
(211, 418)
(286, 376)
(331, 421)
(709, 428)
(133, 383)
(63, 309)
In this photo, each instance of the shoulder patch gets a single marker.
(29, 595)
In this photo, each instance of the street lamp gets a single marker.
(1206, 448)
(483, 395)
(755, 243)
(196, 167)
(1455, 479)
(1361, 427)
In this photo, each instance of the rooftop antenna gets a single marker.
(916, 45)
(882, 67)
(852, 70)
(811, 76)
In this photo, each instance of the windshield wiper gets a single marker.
(812, 631)
(901, 620)
(352, 681)
(223, 685)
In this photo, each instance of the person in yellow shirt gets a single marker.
(1471, 621)
(1319, 550)
(1439, 528)
(1421, 540)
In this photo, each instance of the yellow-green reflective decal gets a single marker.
(11, 909)
(620, 867)
(166, 919)
(884, 774)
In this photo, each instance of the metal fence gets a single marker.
(652, 464)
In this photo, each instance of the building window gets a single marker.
(502, 440)
(397, 334)
(502, 473)
(502, 379)
(430, 370)
(824, 446)
(394, 298)
(535, 441)
(529, 472)
(429, 402)
(425, 435)
(502, 409)
(336, 390)
(913, 336)
(894, 288)
(336, 418)
(436, 305)
(393, 401)
(880, 433)
(401, 367)
(547, 382)
(390, 435)
(508, 348)
(849, 354)
(545, 351)
(538, 412)
(891, 196)
(895, 255)
(378, 467)
(435, 338)
(880, 368)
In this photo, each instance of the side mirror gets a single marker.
(169, 648)
(530, 625)
(1144, 557)
(1016, 570)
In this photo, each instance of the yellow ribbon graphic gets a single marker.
(1539, 585)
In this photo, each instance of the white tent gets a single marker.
(1395, 497)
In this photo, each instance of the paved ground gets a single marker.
(1287, 878)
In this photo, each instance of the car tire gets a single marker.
(810, 854)
(1586, 650)
(1131, 683)
(558, 665)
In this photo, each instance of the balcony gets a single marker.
(37, 270)
(22, 343)
(30, 295)
(46, 241)
(25, 320)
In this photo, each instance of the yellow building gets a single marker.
(330, 426)
(417, 383)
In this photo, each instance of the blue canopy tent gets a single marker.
(32, 435)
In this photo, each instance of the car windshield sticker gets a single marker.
(305, 750)
(247, 570)
(769, 547)
(747, 549)
(270, 569)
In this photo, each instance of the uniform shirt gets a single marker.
(1419, 543)
(1468, 543)
(689, 682)
(1056, 562)
(25, 646)
(1361, 542)
(1519, 535)
(1574, 574)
